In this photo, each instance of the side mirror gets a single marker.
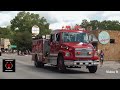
(50, 40)
(58, 37)
(49, 43)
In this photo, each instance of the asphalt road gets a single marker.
(25, 70)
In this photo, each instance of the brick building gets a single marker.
(112, 48)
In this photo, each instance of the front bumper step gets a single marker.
(81, 63)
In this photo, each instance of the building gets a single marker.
(4, 43)
(112, 48)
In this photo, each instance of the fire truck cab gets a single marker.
(66, 48)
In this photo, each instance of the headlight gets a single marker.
(78, 53)
(89, 53)
(65, 47)
(67, 54)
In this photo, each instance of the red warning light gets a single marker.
(77, 27)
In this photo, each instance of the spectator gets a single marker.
(101, 58)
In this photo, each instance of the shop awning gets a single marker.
(13, 46)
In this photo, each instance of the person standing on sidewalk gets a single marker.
(101, 58)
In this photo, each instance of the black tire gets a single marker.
(92, 69)
(37, 63)
(60, 64)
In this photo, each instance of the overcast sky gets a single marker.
(57, 19)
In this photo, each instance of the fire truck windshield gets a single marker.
(75, 37)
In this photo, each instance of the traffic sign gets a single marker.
(35, 30)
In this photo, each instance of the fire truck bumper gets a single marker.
(81, 63)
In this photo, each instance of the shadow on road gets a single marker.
(55, 70)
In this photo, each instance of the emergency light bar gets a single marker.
(77, 27)
(66, 27)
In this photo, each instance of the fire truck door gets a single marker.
(52, 45)
(57, 47)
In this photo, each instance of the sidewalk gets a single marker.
(112, 64)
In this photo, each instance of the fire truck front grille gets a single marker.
(84, 53)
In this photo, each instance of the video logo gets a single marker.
(8, 65)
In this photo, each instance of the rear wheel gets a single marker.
(38, 63)
(60, 64)
(92, 69)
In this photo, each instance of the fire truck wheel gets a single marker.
(92, 69)
(60, 64)
(37, 63)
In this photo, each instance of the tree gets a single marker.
(103, 25)
(23, 40)
(110, 25)
(94, 24)
(5, 33)
(21, 26)
(84, 23)
(24, 22)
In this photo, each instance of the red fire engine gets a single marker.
(66, 48)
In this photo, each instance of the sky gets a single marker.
(57, 19)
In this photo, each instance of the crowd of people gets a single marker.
(18, 52)
(25, 52)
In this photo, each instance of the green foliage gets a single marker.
(23, 40)
(24, 21)
(5, 33)
(103, 25)
(21, 27)
(84, 23)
